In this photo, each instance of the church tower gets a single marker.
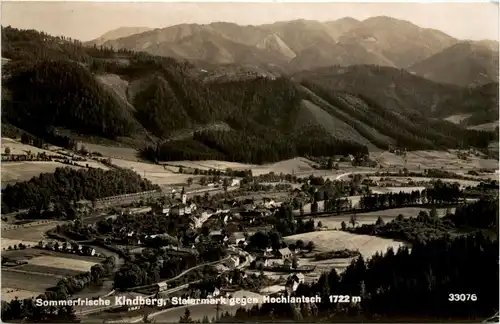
(183, 196)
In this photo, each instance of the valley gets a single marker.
(227, 166)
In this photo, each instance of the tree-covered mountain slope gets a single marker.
(53, 84)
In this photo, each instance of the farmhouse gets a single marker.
(233, 262)
(161, 286)
(180, 210)
(88, 250)
(162, 209)
(294, 281)
(214, 293)
(284, 253)
(262, 263)
(236, 238)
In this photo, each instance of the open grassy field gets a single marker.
(432, 159)
(296, 165)
(456, 119)
(16, 147)
(13, 172)
(211, 164)
(9, 293)
(126, 153)
(29, 233)
(92, 164)
(31, 253)
(27, 281)
(6, 242)
(333, 222)
(489, 127)
(337, 240)
(48, 269)
(154, 172)
(62, 263)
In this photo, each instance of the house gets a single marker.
(268, 203)
(233, 262)
(214, 293)
(268, 252)
(178, 210)
(261, 263)
(235, 182)
(162, 286)
(298, 277)
(236, 238)
(284, 253)
(218, 236)
(162, 209)
(287, 263)
(77, 248)
(88, 250)
(294, 281)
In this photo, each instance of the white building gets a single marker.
(233, 262)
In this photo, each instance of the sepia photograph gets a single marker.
(249, 162)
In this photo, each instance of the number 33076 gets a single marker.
(462, 297)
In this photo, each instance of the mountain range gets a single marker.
(55, 88)
(307, 44)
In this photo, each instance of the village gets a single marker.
(220, 230)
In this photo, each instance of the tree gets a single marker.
(433, 213)
(187, 317)
(320, 224)
(310, 246)
(329, 165)
(299, 244)
(353, 220)
(190, 181)
(7, 150)
(343, 225)
(380, 221)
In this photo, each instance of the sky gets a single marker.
(88, 20)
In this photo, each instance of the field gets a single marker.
(211, 164)
(28, 233)
(6, 242)
(155, 173)
(9, 293)
(92, 164)
(28, 281)
(13, 172)
(32, 253)
(337, 240)
(333, 222)
(489, 127)
(62, 263)
(116, 152)
(326, 241)
(463, 183)
(432, 159)
(456, 119)
(48, 269)
(17, 147)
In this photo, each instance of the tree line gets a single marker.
(67, 185)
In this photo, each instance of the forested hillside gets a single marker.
(66, 185)
(52, 84)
